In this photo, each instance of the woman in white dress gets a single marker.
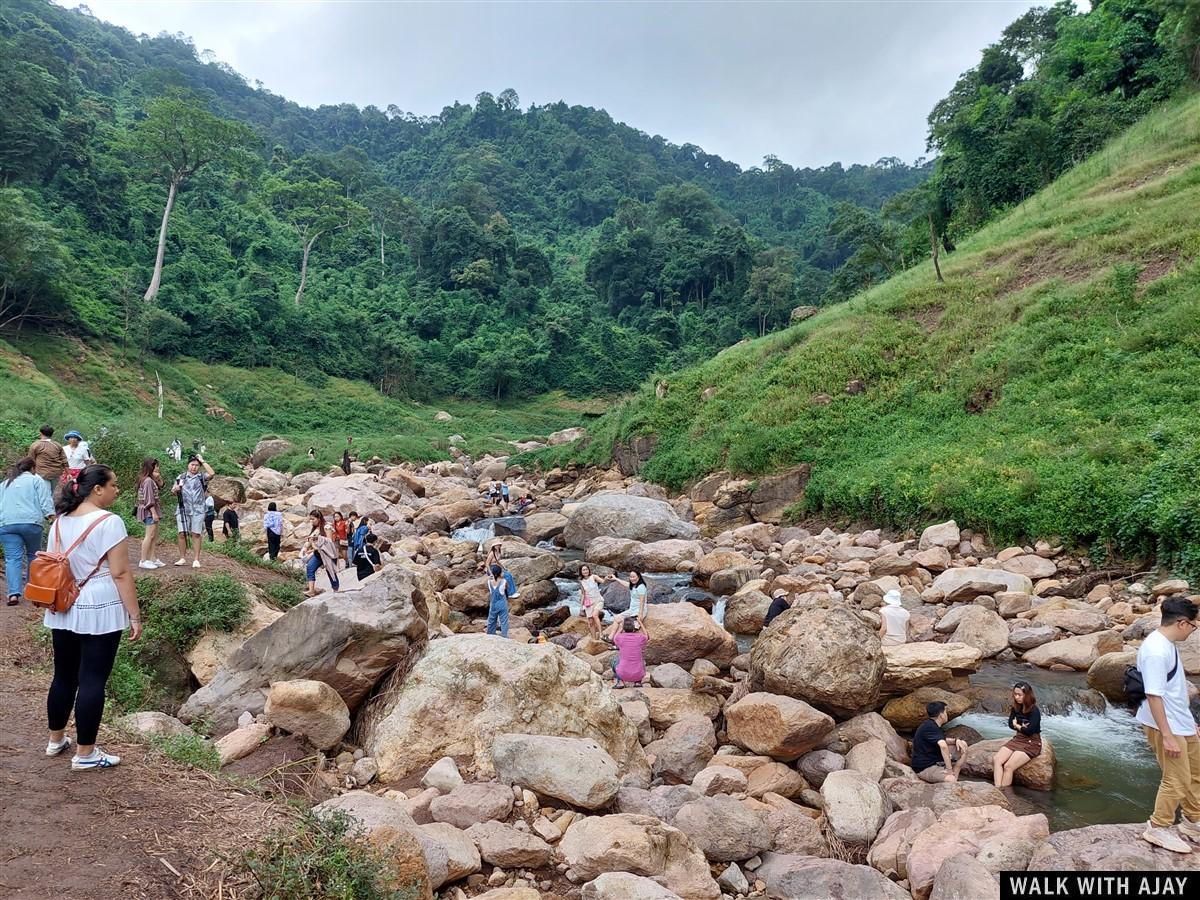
(86, 636)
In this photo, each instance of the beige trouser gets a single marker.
(1180, 785)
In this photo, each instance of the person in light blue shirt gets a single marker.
(25, 503)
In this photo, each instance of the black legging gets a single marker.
(273, 544)
(82, 663)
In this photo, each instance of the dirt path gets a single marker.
(148, 828)
(210, 562)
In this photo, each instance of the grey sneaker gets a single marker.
(1165, 838)
(55, 748)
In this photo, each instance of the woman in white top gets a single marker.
(79, 454)
(86, 636)
(592, 600)
(637, 596)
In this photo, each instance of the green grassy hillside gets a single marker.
(88, 386)
(1051, 385)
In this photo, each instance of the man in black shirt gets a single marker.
(778, 605)
(367, 560)
(229, 522)
(934, 758)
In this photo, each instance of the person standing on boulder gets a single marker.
(191, 487)
(592, 600)
(637, 599)
(497, 601)
(320, 550)
(273, 526)
(367, 560)
(935, 758)
(1026, 720)
(1166, 718)
(493, 558)
(893, 621)
(49, 460)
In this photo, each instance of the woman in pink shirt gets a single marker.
(630, 664)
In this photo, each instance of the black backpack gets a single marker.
(1135, 688)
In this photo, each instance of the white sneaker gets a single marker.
(55, 748)
(195, 563)
(97, 759)
(181, 562)
(1189, 829)
(1165, 838)
(146, 564)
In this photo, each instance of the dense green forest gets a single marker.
(491, 250)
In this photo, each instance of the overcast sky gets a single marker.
(811, 82)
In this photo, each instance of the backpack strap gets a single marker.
(79, 540)
(1174, 668)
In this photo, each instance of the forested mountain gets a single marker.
(488, 250)
(151, 196)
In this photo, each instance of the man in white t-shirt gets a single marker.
(1167, 720)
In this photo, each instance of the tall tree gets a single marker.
(313, 207)
(176, 139)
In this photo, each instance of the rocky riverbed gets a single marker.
(510, 769)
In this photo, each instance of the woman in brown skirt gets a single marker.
(1026, 720)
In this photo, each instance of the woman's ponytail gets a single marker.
(73, 492)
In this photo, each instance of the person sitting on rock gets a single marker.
(936, 758)
(1026, 720)
(629, 665)
(497, 601)
(893, 621)
(779, 603)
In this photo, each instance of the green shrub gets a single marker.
(284, 594)
(322, 859)
(190, 750)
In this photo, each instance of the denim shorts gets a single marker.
(149, 520)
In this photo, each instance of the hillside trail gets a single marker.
(147, 828)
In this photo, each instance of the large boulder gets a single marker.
(225, 489)
(625, 886)
(381, 820)
(670, 705)
(1078, 651)
(909, 793)
(1105, 847)
(683, 750)
(1075, 621)
(663, 556)
(469, 804)
(267, 449)
(1030, 565)
(1038, 773)
(907, 712)
(577, 770)
(1107, 674)
(922, 663)
(826, 657)
(348, 640)
(745, 611)
(963, 877)
(796, 877)
(982, 629)
(944, 535)
(309, 708)
(468, 689)
(724, 829)
(872, 726)
(966, 830)
(266, 483)
(350, 493)
(473, 593)
(640, 845)
(889, 852)
(971, 581)
(544, 526)
(776, 726)
(855, 806)
(509, 848)
(683, 633)
(621, 515)
(461, 852)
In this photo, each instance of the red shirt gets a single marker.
(340, 529)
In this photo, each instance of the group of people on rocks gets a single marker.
(499, 494)
(337, 543)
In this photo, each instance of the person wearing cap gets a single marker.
(779, 603)
(893, 621)
(79, 453)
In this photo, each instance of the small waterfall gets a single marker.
(476, 533)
